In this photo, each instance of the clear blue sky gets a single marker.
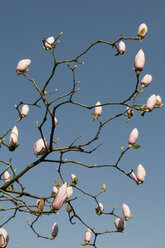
(103, 78)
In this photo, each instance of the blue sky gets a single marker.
(103, 78)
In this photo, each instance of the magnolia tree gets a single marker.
(13, 190)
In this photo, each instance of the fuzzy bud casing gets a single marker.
(142, 30)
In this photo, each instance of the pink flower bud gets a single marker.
(24, 110)
(55, 121)
(134, 177)
(54, 230)
(36, 208)
(130, 111)
(100, 209)
(122, 47)
(158, 101)
(23, 65)
(88, 235)
(151, 102)
(139, 61)
(6, 177)
(40, 204)
(13, 139)
(98, 109)
(4, 237)
(126, 211)
(60, 197)
(49, 43)
(54, 190)
(39, 147)
(69, 192)
(133, 136)
(74, 178)
(120, 224)
(146, 80)
(140, 174)
(142, 30)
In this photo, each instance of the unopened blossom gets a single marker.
(122, 47)
(139, 61)
(13, 139)
(120, 224)
(158, 101)
(69, 191)
(4, 238)
(151, 102)
(23, 65)
(142, 30)
(130, 111)
(54, 190)
(39, 147)
(146, 80)
(40, 206)
(24, 110)
(74, 178)
(55, 121)
(133, 136)
(140, 174)
(126, 211)
(88, 235)
(49, 43)
(60, 197)
(134, 177)
(6, 177)
(99, 209)
(54, 230)
(97, 110)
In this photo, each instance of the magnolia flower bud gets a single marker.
(49, 43)
(134, 177)
(151, 102)
(88, 235)
(39, 147)
(104, 187)
(54, 190)
(23, 65)
(40, 206)
(130, 111)
(99, 209)
(158, 101)
(74, 178)
(13, 139)
(60, 197)
(120, 224)
(55, 121)
(68, 208)
(146, 80)
(4, 237)
(54, 230)
(133, 136)
(69, 192)
(24, 110)
(122, 47)
(140, 174)
(6, 177)
(139, 61)
(97, 111)
(126, 211)
(142, 30)
(58, 184)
